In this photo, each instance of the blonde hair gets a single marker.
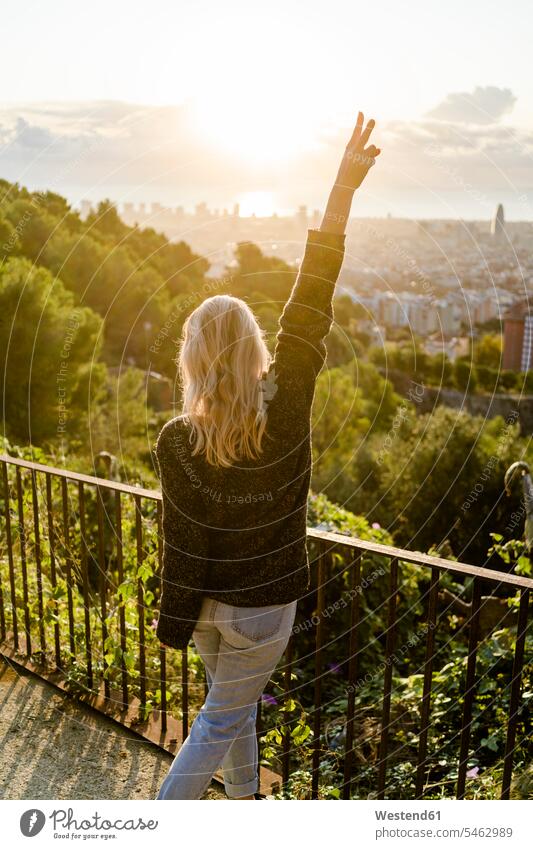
(222, 359)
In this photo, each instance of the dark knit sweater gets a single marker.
(238, 534)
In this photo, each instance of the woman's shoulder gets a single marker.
(172, 432)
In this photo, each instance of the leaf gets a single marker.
(523, 566)
(129, 660)
(490, 743)
(126, 590)
(144, 571)
(300, 734)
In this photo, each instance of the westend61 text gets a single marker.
(407, 815)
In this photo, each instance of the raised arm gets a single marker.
(307, 316)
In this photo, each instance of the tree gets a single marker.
(508, 380)
(46, 341)
(442, 478)
(439, 370)
(255, 272)
(351, 403)
(346, 310)
(488, 351)
(487, 378)
(8, 238)
(464, 375)
(33, 225)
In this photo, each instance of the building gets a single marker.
(128, 211)
(518, 337)
(457, 346)
(497, 227)
(390, 311)
(86, 208)
(422, 315)
(301, 217)
(448, 318)
(201, 211)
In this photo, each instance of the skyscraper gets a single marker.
(497, 227)
(518, 338)
(301, 217)
(86, 208)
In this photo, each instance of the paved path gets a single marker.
(52, 747)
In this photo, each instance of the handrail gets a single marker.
(77, 476)
(415, 557)
(420, 559)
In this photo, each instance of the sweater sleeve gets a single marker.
(308, 314)
(185, 547)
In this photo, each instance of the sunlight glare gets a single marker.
(254, 113)
(260, 204)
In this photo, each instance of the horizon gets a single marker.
(45, 149)
(218, 212)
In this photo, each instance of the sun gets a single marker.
(253, 112)
(261, 204)
(248, 129)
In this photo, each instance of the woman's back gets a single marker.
(238, 532)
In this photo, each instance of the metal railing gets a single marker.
(79, 585)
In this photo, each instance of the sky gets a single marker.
(245, 101)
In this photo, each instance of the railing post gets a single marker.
(258, 735)
(9, 543)
(68, 565)
(514, 701)
(470, 686)
(387, 679)
(102, 583)
(287, 740)
(185, 693)
(3, 632)
(140, 602)
(38, 563)
(23, 563)
(317, 702)
(428, 675)
(353, 667)
(53, 574)
(121, 611)
(85, 579)
(162, 650)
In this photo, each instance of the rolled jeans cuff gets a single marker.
(235, 791)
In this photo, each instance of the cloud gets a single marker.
(132, 151)
(484, 105)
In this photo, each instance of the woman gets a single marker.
(235, 471)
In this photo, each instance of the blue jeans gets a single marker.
(240, 647)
